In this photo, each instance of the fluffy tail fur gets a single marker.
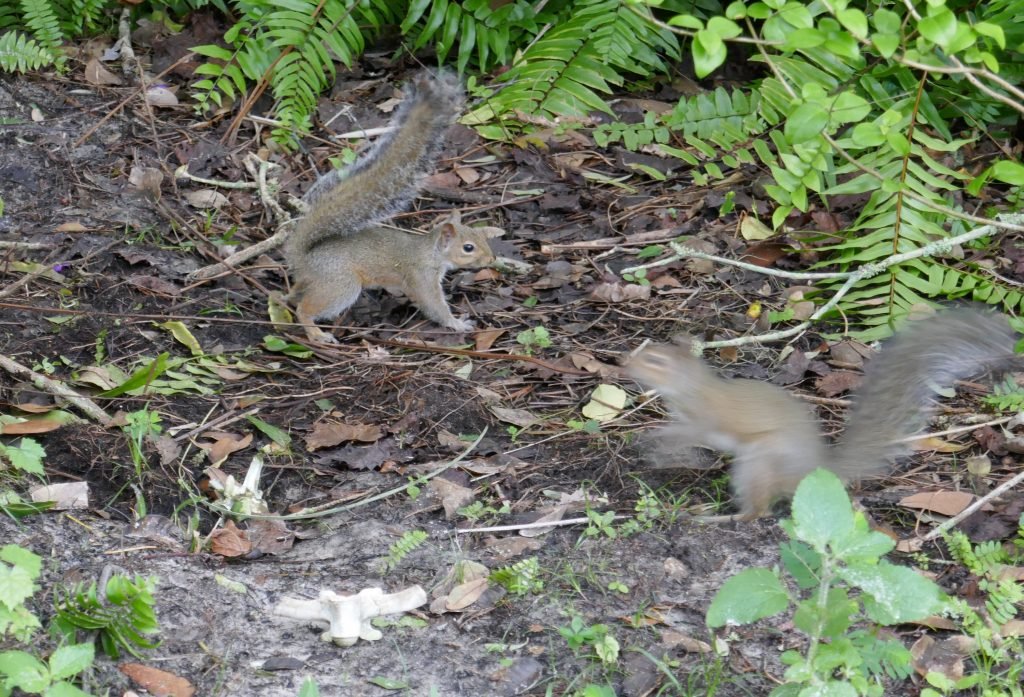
(385, 178)
(898, 382)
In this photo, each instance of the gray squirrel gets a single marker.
(338, 248)
(775, 440)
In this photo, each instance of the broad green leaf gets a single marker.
(725, 28)
(855, 21)
(687, 22)
(183, 336)
(140, 378)
(28, 560)
(822, 513)
(886, 21)
(27, 456)
(895, 594)
(806, 122)
(706, 62)
(1009, 171)
(993, 31)
(939, 28)
(804, 38)
(68, 661)
(801, 562)
(749, 596)
(275, 434)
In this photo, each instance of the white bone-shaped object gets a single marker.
(348, 616)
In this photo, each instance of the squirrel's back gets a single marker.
(385, 178)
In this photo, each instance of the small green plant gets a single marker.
(831, 552)
(121, 619)
(22, 670)
(600, 524)
(1007, 396)
(26, 457)
(998, 655)
(142, 424)
(19, 570)
(400, 549)
(478, 510)
(520, 578)
(533, 339)
(638, 277)
(596, 636)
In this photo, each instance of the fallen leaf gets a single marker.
(947, 503)
(161, 95)
(946, 656)
(270, 536)
(229, 541)
(206, 198)
(485, 338)
(157, 682)
(328, 434)
(837, 382)
(517, 417)
(227, 443)
(619, 292)
(96, 74)
(606, 403)
(936, 444)
(465, 594)
(753, 229)
(671, 639)
(453, 496)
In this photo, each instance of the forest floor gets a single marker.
(117, 235)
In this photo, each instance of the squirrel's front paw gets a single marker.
(320, 336)
(461, 325)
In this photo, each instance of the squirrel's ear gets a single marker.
(491, 231)
(446, 231)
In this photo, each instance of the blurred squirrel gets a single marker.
(776, 440)
(338, 248)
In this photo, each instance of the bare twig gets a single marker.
(58, 389)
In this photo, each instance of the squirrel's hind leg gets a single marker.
(324, 301)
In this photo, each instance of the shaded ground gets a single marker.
(123, 258)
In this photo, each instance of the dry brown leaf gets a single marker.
(206, 198)
(158, 683)
(485, 338)
(946, 656)
(73, 226)
(465, 594)
(947, 503)
(619, 292)
(453, 496)
(226, 444)
(468, 175)
(517, 417)
(936, 444)
(506, 548)
(96, 74)
(328, 434)
(270, 536)
(837, 382)
(229, 541)
(22, 428)
(556, 514)
(160, 286)
(672, 639)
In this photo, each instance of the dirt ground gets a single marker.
(120, 233)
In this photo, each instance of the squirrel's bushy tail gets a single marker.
(898, 382)
(386, 177)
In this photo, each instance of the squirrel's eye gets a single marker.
(469, 248)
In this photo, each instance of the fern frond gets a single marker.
(19, 53)
(41, 17)
(565, 71)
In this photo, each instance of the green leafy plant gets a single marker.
(25, 670)
(579, 635)
(400, 549)
(858, 100)
(998, 654)
(121, 618)
(520, 578)
(26, 457)
(1007, 396)
(19, 571)
(831, 553)
(534, 339)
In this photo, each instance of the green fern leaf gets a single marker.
(19, 53)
